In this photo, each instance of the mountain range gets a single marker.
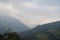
(52, 30)
(49, 29)
(44, 27)
(16, 25)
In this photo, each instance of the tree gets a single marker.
(12, 36)
(2, 37)
(9, 35)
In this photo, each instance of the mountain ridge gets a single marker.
(13, 23)
(44, 27)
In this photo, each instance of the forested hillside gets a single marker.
(50, 31)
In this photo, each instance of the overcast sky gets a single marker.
(32, 12)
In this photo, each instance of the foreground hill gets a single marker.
(13, 23)
(51, 30)
(44, 27)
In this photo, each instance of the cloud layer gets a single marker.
(31, 12)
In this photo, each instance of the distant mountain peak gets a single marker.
(13, 23)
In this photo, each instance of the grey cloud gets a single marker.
(18, 5)
(50, 2)
(45, 2)
(49, 8)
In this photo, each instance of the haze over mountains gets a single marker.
(13, 23)
(26, 33)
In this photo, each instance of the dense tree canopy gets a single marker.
(10, 36)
